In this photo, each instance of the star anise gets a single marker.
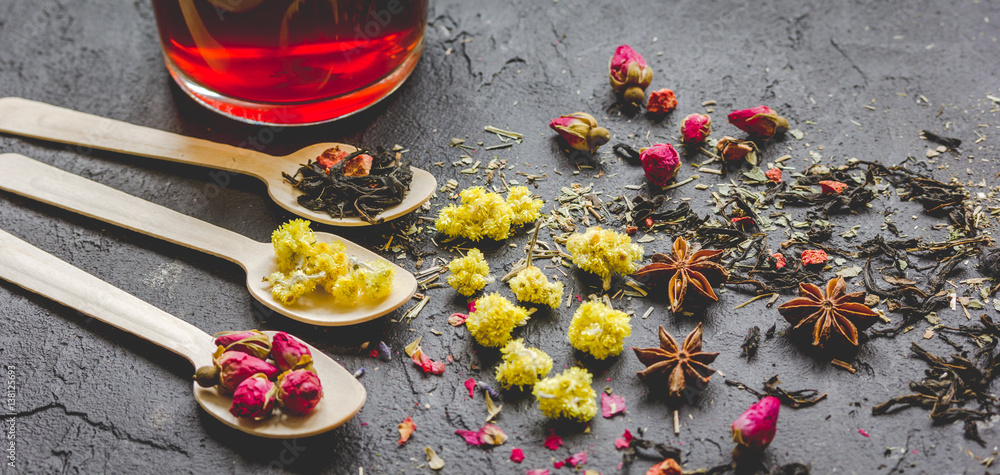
(683, 270)
(677, 364)
(831, 312)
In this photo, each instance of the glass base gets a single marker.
(310, 113)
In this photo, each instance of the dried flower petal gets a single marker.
(490, 434)
(406, 429)
(629, 74)
(384, 352)
(695, 128)
(612, 404)
(755, 428)
(426, 363)
(553, 441)
(581, 131)
(471, 437)
(517, 455)
(254, 398)
(489, 389)
(774, 175)
(537, 471)
(661, 102)
(814, 256)
(434, 461)
(491, 409)
(577, 459)
(760, 121)
(624, 440)
(830, 187)
(470, 384)
(457, 319)
(660, 163)
(299, 391)
(666, 467)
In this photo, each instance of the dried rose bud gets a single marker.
(695, 128)
(666, 467)
(629, 75)
(360, 165)
(779, 260)
(831, 187)
(290, 353)
(250, 342)
(580, 129)
(733, 150)
(660, 162)
(814, 256)
(661, 102)
(760, 121)
(254, 398)
(755, 428)
(299, 391)
(233, 367)
(774, 175)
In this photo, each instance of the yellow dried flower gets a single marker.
(487, 215)
(522, 365)
(524, 207)
(604, 252)
(531, 285)
(494, 318)
(469, 274)
(599, 330)
(305, 264)
(567, 395)
(292, 242)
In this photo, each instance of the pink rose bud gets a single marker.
(231, 368)
(290, 353)
(581, 131)
(299, 391)
(774, 175)
(629, 75)
(760, 121)
(695, 128)
(254, 398)
(250, 342)
(660, 162)
(661, 102)
(755, 428)
(733, 150)
(814, 256)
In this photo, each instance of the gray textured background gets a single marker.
(92, 399)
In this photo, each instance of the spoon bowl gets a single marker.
(40, 272)
(36, 180)
(47, 122)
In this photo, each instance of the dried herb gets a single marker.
(684, 270)
(751, 343)
(946, 141)
(648, 450)
(794, 399)
(676, 364)
(951, 384)
(336, 192)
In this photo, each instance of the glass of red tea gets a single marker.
(290, 62)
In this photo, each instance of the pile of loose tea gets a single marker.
(363, 183)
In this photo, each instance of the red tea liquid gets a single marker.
(290, 61)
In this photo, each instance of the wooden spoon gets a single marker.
(40, 272)
(36, 180)
(47, 122)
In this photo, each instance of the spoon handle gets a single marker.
(40, 272)
(50, 185)
(48, 122)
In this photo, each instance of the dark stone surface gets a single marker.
(93, 399)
